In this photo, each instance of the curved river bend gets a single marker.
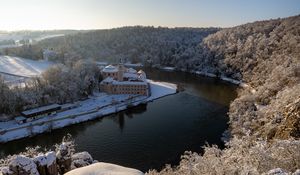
(152, 135)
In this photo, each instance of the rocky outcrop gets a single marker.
(43, 164)
(64, 159)
(20, 165)
(60, 161)
(81, 159)
(46, 163)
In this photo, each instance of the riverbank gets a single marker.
(212, 75)
(96, 106)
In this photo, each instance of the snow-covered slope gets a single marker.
(22, 67)
(104, 169)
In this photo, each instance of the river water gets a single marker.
(152, 135)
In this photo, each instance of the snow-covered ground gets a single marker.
(168, 68)
(22, 67)
(16, 70)
(96, 106)
(133, 65)
(48, 36)
(102, 168)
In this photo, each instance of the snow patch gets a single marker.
(104, 169)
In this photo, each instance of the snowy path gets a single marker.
(97, 106)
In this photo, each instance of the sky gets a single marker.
(103, 14)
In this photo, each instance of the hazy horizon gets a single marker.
(99, 14)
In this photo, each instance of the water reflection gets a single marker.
(209, 88)
(119, 118)
(56, 136)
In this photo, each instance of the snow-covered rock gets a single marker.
(81, 159)
(104, 169)
(46, 163)
(22, 165)
(40, 160)
(64, 156)
(5, 171)
(64, 150)
(277, 171)
(297, 172)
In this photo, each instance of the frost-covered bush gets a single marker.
(58, 84)
(242, 156)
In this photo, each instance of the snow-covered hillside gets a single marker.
(22, 67)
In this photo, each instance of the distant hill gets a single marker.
(28, 34)
(18, 38)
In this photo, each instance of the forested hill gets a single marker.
(265, 119)
(138, 44)
(266, 55)
(255, 48)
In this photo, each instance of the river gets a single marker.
(150, 136)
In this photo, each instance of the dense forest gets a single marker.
(264, 118)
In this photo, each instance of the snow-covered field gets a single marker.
(16, 70)
(22, 67)
(96, 106)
